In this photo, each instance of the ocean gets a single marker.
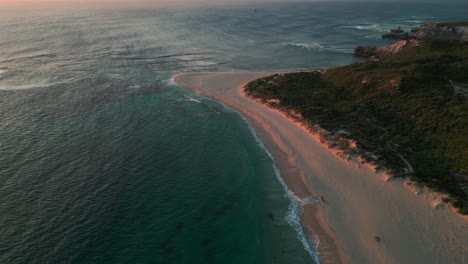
(104, 160)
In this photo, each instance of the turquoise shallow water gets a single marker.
(150, 178)
(103, 160)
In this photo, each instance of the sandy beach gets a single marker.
(358, 204)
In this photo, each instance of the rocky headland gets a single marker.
(457, 32)
(405, 110)
(442, 32)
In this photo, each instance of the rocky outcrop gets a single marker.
(378, 53)
(442, 32)
(456, 32)
(452, 32)
(397, 30)
(397, 33)
(403, 36)
(365, 51)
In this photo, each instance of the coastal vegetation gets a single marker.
(406, 113)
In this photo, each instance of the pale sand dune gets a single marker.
(360, 204)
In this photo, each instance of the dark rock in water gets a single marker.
(323, 199)
(403, 36)
(449, 32)
(365, 51)
(397, 31)
(455, 31)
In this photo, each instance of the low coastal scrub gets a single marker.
(407, 113)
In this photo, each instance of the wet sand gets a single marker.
(358, 204)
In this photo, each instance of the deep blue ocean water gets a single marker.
(104, 160)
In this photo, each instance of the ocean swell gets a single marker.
(318, 46)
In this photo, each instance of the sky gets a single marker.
(125, 1)
(136, 2)
(165, 2)
(93, 2)
(173, 1)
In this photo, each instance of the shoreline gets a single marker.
(356, 197)
(436, 198)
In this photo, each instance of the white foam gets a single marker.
(171, 81)
(295, 210)
(190, 99)
(27, 86)
(199, 63)
(311, 46)
(371, 36)
(33, 85)
(318, 46)
(309, 200)
(375, 27)
(2, 73)
(363, 27)
(414, 21)
(135, 86)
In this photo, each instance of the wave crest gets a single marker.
(295, 210)
(318, 46)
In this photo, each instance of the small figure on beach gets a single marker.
(323, 199)
(377, 238)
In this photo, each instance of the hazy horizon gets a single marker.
(189, 2)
